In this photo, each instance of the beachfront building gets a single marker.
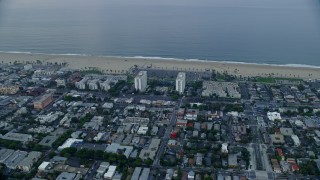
(93, 84)
(105, 85)
(81, 84)
(221, 89)
(140, 81)
(181, 82)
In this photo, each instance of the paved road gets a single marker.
(92, 171)
(166, 136)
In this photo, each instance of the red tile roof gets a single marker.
(280, 153)
(295, 167)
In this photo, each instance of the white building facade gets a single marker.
(140, 81)
(181, 82)
(81, 84)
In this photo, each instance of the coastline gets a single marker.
(122, 64)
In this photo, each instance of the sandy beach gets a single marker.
(122, 64)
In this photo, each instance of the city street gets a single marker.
(166, 136)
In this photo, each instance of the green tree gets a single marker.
(98, 154)
(51, 154)
(67, 152)
(148, 162)
(301, 87)
(112, 157)
(137, 162)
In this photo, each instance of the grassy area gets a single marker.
(92, 71)
(220, 77)
(273, 80)
(224, 77)
(130, 79)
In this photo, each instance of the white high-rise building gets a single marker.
(81, 84)
(140, 81)
(92, 84)
(181, 82)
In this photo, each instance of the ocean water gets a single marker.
(251, 31)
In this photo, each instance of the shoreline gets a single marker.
(166, 59)
(120, 64)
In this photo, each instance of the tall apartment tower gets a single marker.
(181, 82)
(140, 81)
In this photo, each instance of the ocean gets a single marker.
(250, 31)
